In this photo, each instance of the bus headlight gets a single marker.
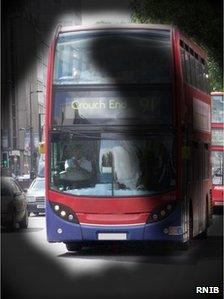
(56, 208)
(161, 212)
(64, 212)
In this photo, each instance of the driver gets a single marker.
(76, 168)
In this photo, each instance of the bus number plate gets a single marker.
(112, 236)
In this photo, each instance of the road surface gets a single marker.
(33, 268)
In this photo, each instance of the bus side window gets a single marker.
(192, 66)
(207, 81)
(183, 62)
(187, 64)
(201, 75)
(198, 72)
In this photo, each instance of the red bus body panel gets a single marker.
(218, 195)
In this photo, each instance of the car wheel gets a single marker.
(24, 222)
(73, 246)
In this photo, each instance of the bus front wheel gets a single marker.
(73, 246)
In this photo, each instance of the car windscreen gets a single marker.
(38, 185)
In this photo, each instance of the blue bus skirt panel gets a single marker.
(59, 230)
(132, 233)
(168, 229)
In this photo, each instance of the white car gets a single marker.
(36, 196)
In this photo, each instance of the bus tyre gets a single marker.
(186, 245)
(73, 246)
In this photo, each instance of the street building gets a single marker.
(28, 27)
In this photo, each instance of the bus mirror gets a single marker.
(41, 148)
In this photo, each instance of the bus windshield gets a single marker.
(217, 167)
(217, 109)
(113, 56)
(217, 136)
(111, 164)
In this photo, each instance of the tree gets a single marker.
(199, 19)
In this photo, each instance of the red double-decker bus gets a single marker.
(127, 136)
(217, 148)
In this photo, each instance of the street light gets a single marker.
(32, 171)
